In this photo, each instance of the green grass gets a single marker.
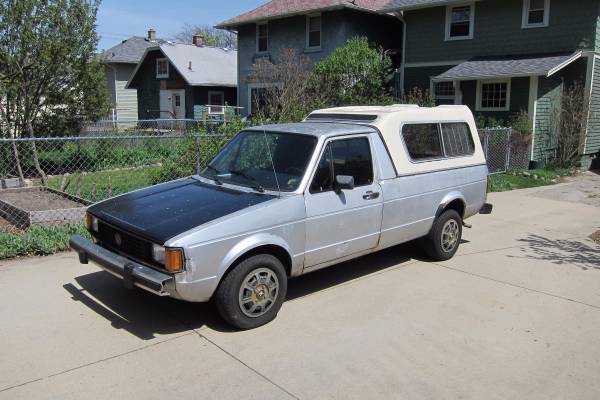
(100, 185)
(38, 240)
(522, 179)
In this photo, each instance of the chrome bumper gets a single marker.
(132, 273)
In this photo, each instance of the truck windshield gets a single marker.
(246, 160)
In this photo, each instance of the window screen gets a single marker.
(422, 141)
(457, 139)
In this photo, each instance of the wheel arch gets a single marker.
(452, 201)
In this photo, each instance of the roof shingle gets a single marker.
(283, 8)
(129, 51)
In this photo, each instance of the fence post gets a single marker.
(508, 149)
(197, 137)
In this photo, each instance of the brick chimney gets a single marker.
(151, 34)
(198, 40)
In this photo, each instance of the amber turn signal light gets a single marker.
(174, 260)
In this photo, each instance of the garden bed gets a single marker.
(40, 205)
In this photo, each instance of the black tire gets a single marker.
(227, 296)
(433, 241)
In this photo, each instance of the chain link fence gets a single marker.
(505, 149)
(50, 181)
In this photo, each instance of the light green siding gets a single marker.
(548, 104)
(592, 144)
(126, 99)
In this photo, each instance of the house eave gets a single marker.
(441, 3)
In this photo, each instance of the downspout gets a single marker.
(400, 16)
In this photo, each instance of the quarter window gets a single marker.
(350, 157)
(460, 21)
(458, 140)
(422, 141)
(313, 31)
(493, 95)
(535, 13)
(162, 68)
(262, 38)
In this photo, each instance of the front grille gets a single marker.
(124, 243)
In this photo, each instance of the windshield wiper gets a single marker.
(255, 185)
(215, 178)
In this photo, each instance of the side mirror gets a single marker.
(343, 182)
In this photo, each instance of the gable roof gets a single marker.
(129, 51)
(402, 5)
(210, 66)
(498, 67)
(285, 8)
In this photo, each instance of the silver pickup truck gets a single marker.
(282, 200)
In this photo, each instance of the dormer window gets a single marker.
(536, 13)
(162, 68)
(460, 21)
(262, 37)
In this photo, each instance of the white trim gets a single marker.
(449, 8)
(478, 106)
(210, 103)
(534, 82)
(258, 24)
(433, 63)
(563, 64)
(525, 17)
(457, 93)
(307, 45)
(158, 60)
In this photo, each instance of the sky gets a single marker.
(121, 19)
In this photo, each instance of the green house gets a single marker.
(501, 57)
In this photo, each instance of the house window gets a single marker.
(262, 37)
(313, 31)
(444, 91)
(216, 101)
(460, 21)
(536, 13)
(259, 95)
(422, 141)
(162, 68)
(493, 95)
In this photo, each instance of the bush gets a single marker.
(39, 240)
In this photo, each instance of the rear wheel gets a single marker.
(444, 238)
(252, 293)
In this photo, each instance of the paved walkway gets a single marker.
(515, 315)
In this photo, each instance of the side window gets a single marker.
(458, 140)
(422, 141)
(352, 157)
(323, 179)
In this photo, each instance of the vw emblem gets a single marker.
(118, 239)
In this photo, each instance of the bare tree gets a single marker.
(212, 36)
(568, 124)
(284, 86)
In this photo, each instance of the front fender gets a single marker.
(248, 244)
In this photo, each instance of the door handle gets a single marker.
(371, 195)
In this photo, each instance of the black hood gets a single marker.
(161, 212)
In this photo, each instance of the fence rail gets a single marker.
(101, 163)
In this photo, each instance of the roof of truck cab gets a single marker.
(316, 128)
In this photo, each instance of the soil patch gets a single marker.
(37, 200)
(6, 226)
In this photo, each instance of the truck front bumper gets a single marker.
(132, 273)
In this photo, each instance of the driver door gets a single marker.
(341, 223)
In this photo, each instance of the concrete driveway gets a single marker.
(515, 315)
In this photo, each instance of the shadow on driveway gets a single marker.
(144, 315)
(562, 252)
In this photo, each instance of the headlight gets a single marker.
(91, 222)
(158, 253)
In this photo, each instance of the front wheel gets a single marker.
(444, 238)
(253, 292)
